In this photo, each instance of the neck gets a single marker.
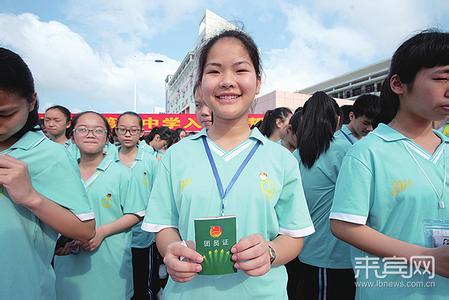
(417, 129)
(60, 139)
(128, 155)
(275, 136)
(90, 161)
(411, 126)
(229, 133)
(354, 133)
(8, 143)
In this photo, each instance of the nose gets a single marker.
(227, 80)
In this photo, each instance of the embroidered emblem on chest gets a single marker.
(267, 186)
(145, 180)
(399, 186)
(183, 183)
(106, 202)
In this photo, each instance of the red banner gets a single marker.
(186, 121)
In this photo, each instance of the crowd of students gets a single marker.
(316, 189)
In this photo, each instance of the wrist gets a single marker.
(272, 253)
(34, 202)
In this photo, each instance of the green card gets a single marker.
(214, 238)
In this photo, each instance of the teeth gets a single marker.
(228, 97)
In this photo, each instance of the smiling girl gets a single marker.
(266, 196)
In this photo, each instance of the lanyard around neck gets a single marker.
(223, 192)
(439, 196)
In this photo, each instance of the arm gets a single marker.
(60, 219)
(287, 248)
(15, 178)
(378, 244)
(121, 224)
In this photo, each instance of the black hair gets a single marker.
(150, 136)
(427, 49)
(269, 119)
(106, 124)
(345, 110)
(367, 105)
(62, 109)
(295, 120)
(317, 127)
(16, 78)
(244, 38)
(131, 113)
(179, 130)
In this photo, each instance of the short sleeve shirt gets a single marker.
(27, 243)
(267, 199)
(382, 183)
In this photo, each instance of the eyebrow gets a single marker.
(215, 64)
(444, 70)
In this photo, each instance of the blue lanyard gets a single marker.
(347, 137)
(223, 193)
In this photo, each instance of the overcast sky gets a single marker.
(88, 54)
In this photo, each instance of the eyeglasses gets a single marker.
(123, 130)
(83, 131)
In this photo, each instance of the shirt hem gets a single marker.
(348, 218)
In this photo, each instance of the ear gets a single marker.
(278, 123)
(33, 102)
(351, 115)
(141, 134)
(396, 85)
(69, 123)
(258, 83)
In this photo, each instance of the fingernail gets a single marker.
(199, 259)
(233, 250)
(236, 266)
(234, 257)
(199, 268)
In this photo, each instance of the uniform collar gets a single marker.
(346, 130)
(255, 134)
(141, 148)
(105, 163)
(389, 134)
(28, 141)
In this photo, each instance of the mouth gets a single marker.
(228, 98)
(445, 108)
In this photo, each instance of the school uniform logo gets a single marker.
(106, 202)
(267, 186)
(183, 183)
(399, 186)
(145, 180)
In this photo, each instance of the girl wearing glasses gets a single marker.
(102, 267)
(35, 175)
(136, 156)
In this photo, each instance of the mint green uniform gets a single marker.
(105, 273)
(267, 199)
(144, 170)
(27, 243)
(156, 153)
(381, 185)
(346, 133)
(322, 249)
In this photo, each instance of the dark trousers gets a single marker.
(146, 263)
(306, 282)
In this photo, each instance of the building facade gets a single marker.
(179, 86)
(367, 80)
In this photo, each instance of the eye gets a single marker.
(441, 78)
(242, 71)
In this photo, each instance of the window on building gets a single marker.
(378, 86)
(348, 94)
(357, 91)
(369, 88)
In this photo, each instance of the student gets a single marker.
(364, 111)
(102, 268)
(159, 139)
(202, 111)
(325, 264)
(134, 155)
(266, 198)
(391, 191)
(40, 192)
(181, 133)
(57, 124)
(345, 111)
(275, 123)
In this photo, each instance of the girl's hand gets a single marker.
(441, 255)
(186, 269)
(252, 255)
(95, 242)
(15, 178)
